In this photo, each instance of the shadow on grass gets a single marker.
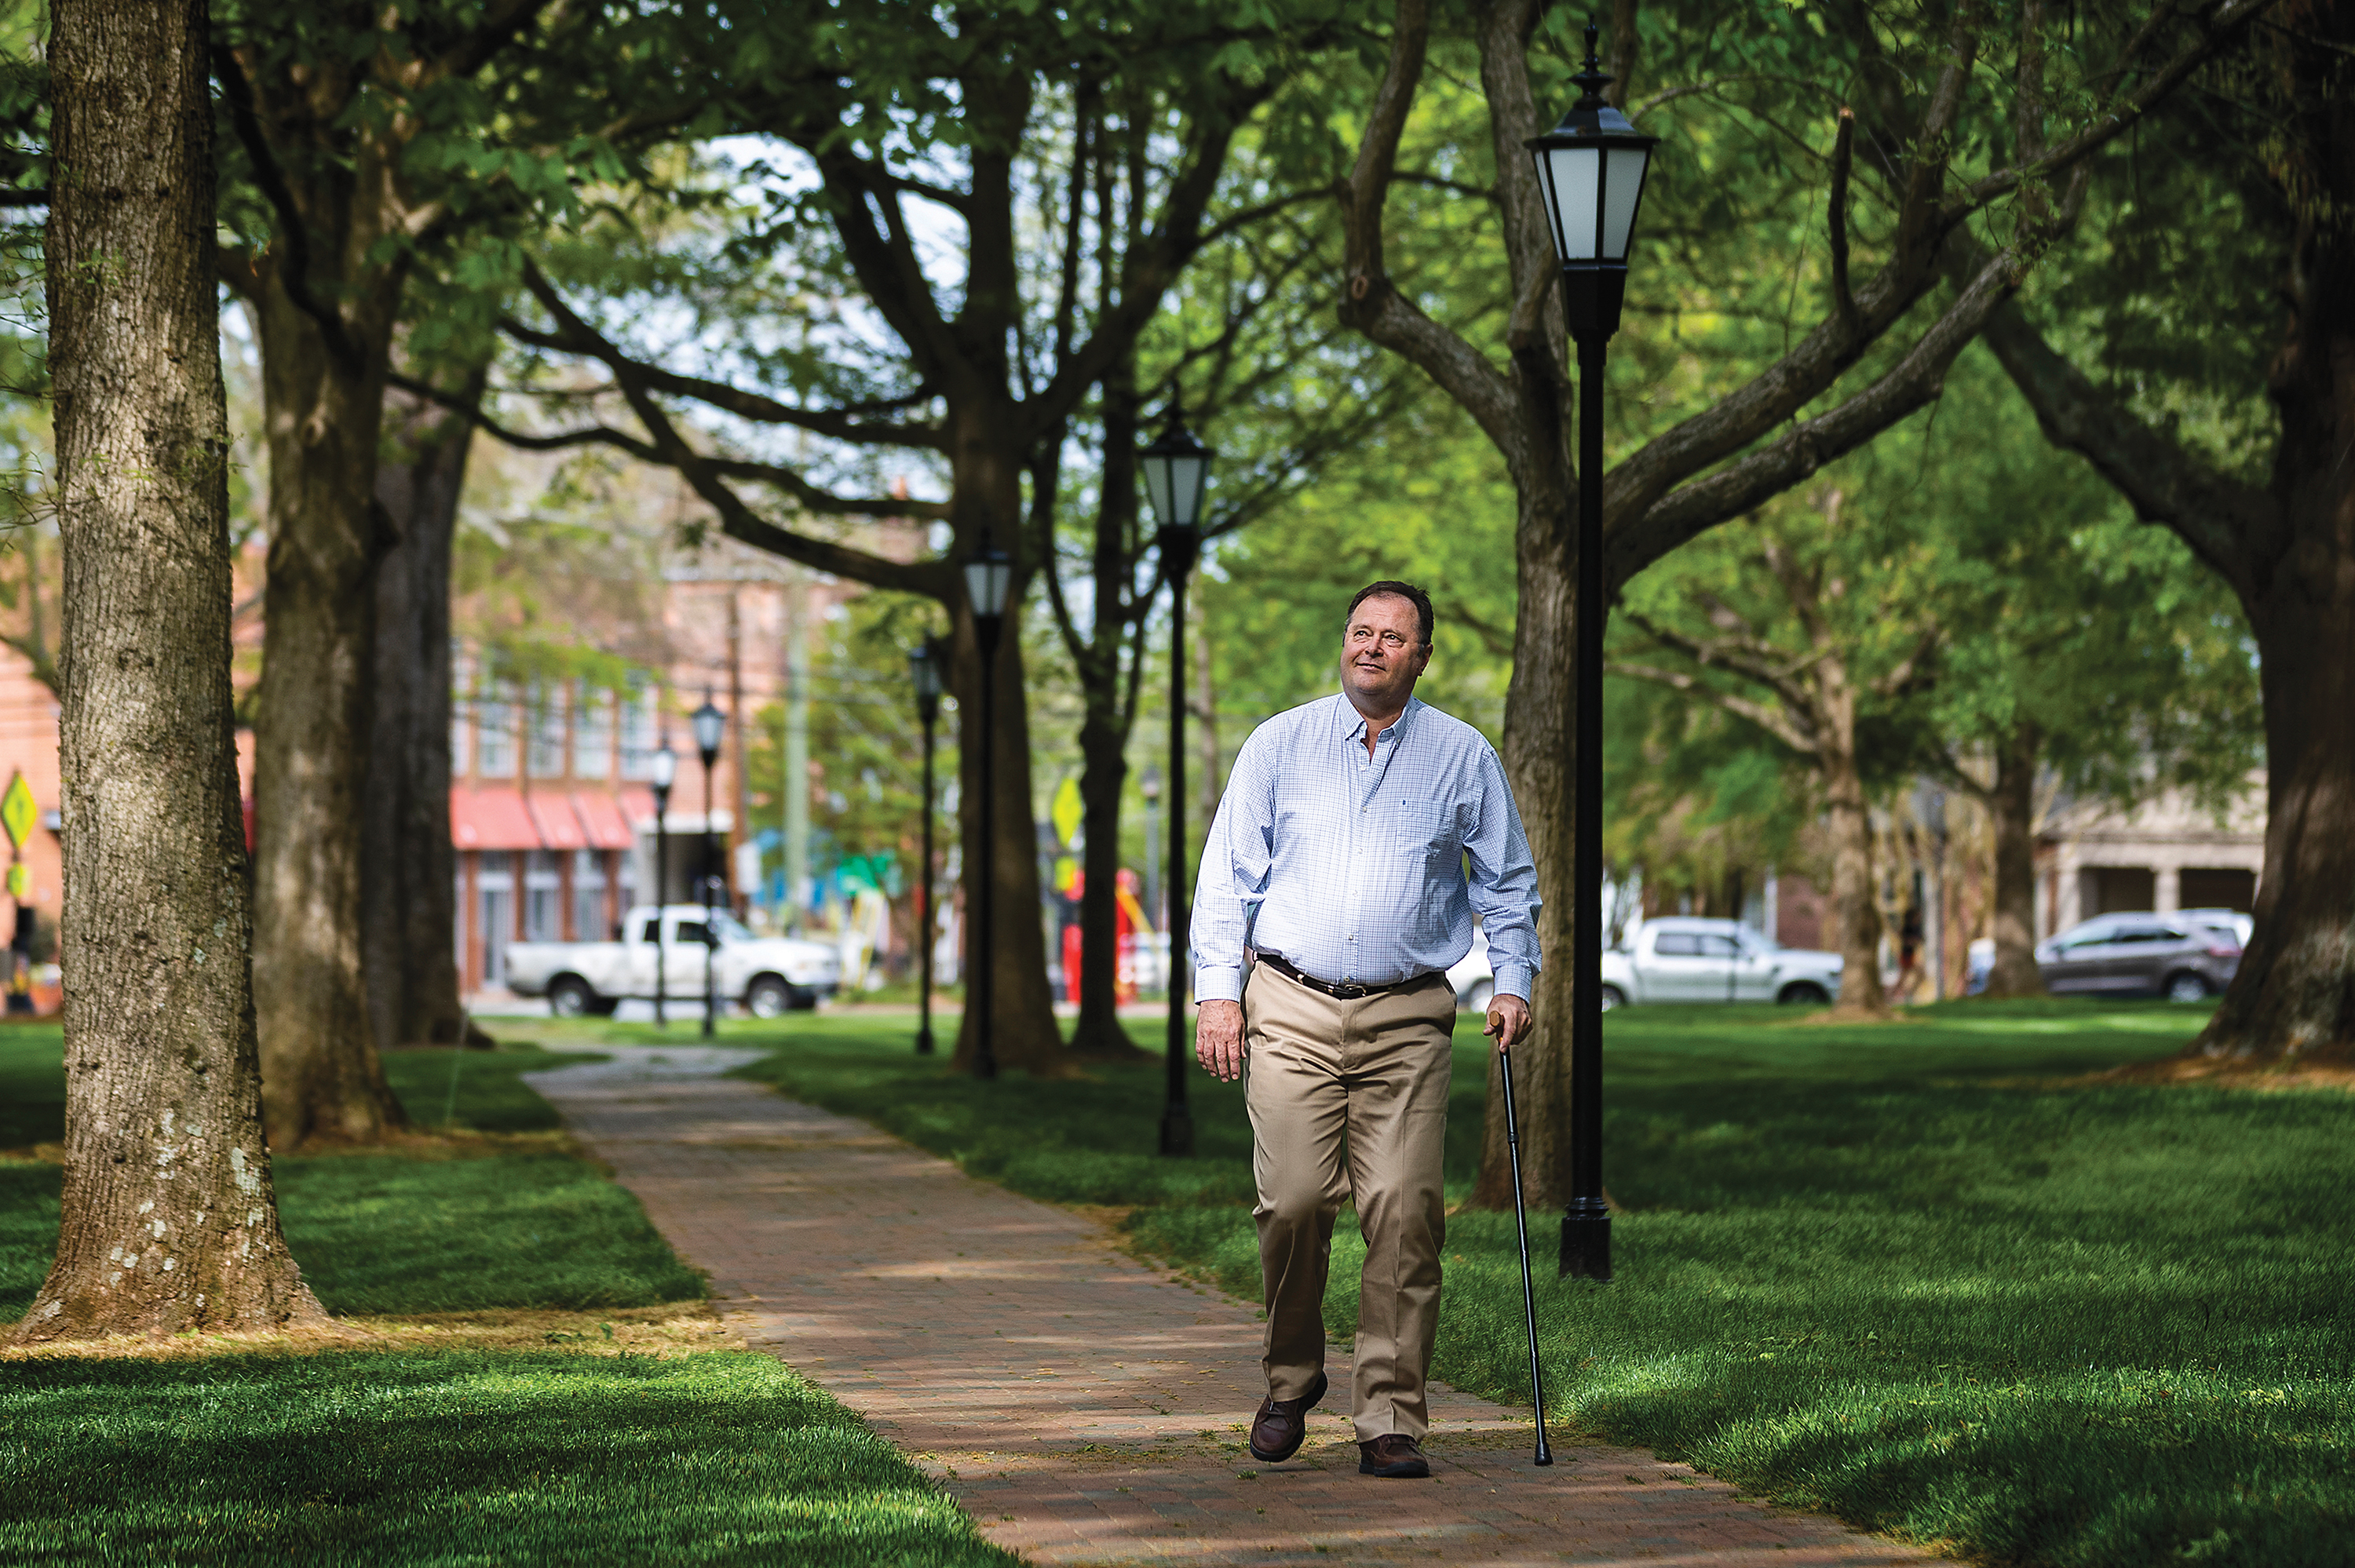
(456, 1458)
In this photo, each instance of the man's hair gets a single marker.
(1407, 591)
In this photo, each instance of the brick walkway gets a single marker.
(1083, 1406)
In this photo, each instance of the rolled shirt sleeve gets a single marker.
(1237, 854)
(1504, 883)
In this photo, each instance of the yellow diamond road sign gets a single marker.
(20, 881)
(17, 811)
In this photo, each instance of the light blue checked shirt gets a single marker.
(1352, 867)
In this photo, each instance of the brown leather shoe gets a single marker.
(1393, 1458)
(1281, 1424)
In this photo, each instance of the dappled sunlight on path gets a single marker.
(1083, 1406)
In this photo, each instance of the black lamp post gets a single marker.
(665, 773)
(1591, 172)
(1177, 467)
(989, 576)
(709, 724)
(1149, 786)
(924, 672)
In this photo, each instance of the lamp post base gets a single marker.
(1177, 1130)
(924, 1047)
(1586, 1241)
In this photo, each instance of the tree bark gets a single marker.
(1022, 1007)
(2012, 804)
(1854, 896)
(1540, 722)
(321, 1080)
(408, 905)
(170, 1221)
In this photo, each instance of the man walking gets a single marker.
(1337, 858)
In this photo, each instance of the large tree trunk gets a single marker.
(2295, 994)
(1102, 774)
(1541, 717)
(2012, 803)
(170, 1222)
(987, 498)
(1107, 686)
(408, 905)
(321, 1080)
(1855, 903)
(1024, 1033)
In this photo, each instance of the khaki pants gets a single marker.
(1350, 1098)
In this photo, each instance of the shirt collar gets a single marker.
(1353, 724)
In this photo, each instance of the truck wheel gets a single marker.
(1803, 993)
(1476, 996)
(570, 996)
(768, 997)
(1613, 997)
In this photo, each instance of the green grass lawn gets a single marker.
(1896, 1272)
(449, 1456)
(480, 1227)
(455, 1459)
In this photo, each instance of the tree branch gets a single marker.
(2219, 517)
(1773, 721)
(834, 424)
(294, 276)
(1373, 304)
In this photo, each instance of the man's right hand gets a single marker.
(1218, 1038)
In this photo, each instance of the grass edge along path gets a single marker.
(459, 1427)
(1924, 1275)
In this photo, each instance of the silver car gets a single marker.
(2140, 955)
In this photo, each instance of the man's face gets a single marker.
(1382, 655)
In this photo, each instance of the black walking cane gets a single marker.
(1521, 1223)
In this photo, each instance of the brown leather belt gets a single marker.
(1345, 991)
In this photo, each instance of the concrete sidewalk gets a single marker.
(1083, 1406)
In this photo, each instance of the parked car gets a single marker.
(769, 975)
(2172, 956)
(2241, 925)
(1684, 958)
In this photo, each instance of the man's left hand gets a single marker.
(1508, 1021)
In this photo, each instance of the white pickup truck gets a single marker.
(1685, 959)
(767, 974)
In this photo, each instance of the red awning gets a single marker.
(559, 827)
(637, 804)
(492, 820)
(603, 820)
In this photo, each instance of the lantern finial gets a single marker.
(1593, 79)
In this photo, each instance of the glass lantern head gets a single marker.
(1591, 170)
(924, 672)
(665, 767)
(709, 723)
(989, 576)
(1177, 471)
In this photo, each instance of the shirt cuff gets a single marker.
(1512, 979)
(1218, 982)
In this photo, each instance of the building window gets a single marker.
(542, 884)
(495, 899)
(462, 715)
(546, 758)
(589, 895)
(592, 733)
(495, 730)
(638, 729)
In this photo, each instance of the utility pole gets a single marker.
(796, 783)
(739, 787)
